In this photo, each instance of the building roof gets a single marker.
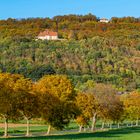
(103, 19)
(48, 32)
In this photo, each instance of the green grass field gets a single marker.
(115, 134)
(71, 132)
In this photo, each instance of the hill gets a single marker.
(103, 52)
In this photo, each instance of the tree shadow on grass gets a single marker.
(105, 134)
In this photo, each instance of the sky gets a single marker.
(50, 8)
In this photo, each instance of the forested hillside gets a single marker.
(103, 52)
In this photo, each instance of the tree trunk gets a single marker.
(6, 128)
(85, 129)
(137, 122)
(93, 122)
(80, 128)
(118, 125)
(110, 125)
(28, 127)
(103, 125)
(49, 129)
(131, 123)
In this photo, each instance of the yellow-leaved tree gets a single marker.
(26, 100)
(132, 106)
(8, 104)
(56, 95)
(88, 108)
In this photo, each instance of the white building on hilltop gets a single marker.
(48, 35)
(104, 20)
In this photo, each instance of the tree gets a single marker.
(48, 109)
(110, 107)
(27, 102)
(8, 108)
(132, 106)
(88, 108)
(82, 121)
(115, 111)
(56, 100)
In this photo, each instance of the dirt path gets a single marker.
(13, 125)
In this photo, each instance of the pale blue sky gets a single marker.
(50, 8)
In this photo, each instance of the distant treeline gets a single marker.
(69, 27)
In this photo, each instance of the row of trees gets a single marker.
(51, 99)
(54, 99)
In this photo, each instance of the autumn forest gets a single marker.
(92, 73)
